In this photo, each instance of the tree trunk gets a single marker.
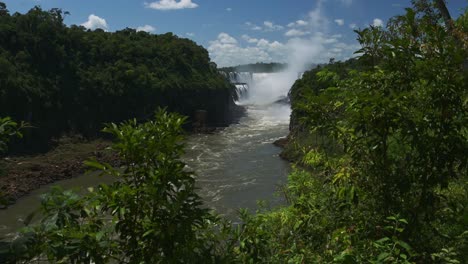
(451, 27)
(445, 14)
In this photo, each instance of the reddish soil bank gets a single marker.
(21, 175)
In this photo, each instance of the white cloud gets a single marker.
(270, 26)
(95, 22)
(296, 33)
(302, 23)
(330, 39)
(317, 21)
(306, 43)
(270, 46)
(190, 34)
(253, 26)
(298, 23)
(377, 22)
(352, 26)
(300, 50)
(225, 38)
(249, 39)
(146, 28)
(339, 22)
(226, 51)
(171, 4)
(229, 9)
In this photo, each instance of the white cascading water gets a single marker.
(265, 88)
(264, 94)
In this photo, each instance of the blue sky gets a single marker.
(241, 31)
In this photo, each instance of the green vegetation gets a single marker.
(151, 215)
(8, 130)
(71, 80)
(383, 141)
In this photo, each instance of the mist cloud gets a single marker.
(308, 41)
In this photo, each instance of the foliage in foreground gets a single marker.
(387, 184)
(389, 139)
(8, 130)
(151, 214)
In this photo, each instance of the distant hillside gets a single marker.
(262, 67)
(257, 67)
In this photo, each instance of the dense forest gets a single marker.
(380, 143)
(259, 67)
(64, 79)
(384, 139)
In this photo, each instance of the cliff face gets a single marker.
(309, 85)
(208, 107)
(298, 133)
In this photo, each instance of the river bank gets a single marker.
(19, 175)
(234, 167)
(23, 174)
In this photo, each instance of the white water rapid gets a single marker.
(240, 165)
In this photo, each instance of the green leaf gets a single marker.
(404, 245)
(382, 240)
(383, 256)
(94, 164)
(99, 235)
(29, 218)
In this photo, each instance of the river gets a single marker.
(234, 167)
(240, 165)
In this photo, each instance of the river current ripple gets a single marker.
(240, 165)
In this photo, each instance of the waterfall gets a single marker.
(262, 88)
(242, 90)
(241, 77)
(242, 81)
